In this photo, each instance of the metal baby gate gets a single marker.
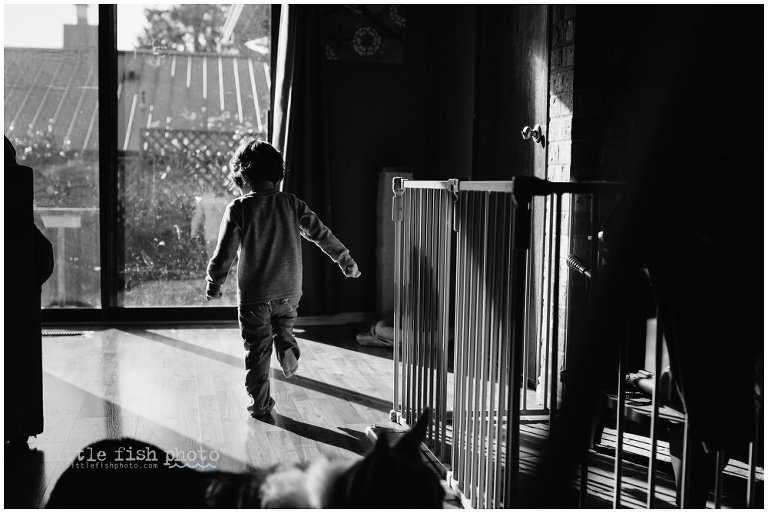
(481, 303)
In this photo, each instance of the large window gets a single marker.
(51, 117)
(189, 87)
(192, 79)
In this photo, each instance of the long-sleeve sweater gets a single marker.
(265, 227)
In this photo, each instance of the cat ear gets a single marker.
(381, 448)
(413, 438)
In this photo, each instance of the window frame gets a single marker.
(110, 225)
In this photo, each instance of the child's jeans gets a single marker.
(259, 324)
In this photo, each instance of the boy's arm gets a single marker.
(313, 229)
(224, 255)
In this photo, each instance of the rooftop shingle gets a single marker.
(55, 92)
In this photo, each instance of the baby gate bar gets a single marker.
(423, 216)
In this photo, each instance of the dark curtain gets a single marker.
(29, 262)
(300, 132)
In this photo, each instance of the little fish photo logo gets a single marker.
(201, 459)
(138, 457)
(116, 458)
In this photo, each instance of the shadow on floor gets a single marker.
(316, 433)
(301, 381)
(24, 483)
(343, 337)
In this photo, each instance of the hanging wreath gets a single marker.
(366, 41)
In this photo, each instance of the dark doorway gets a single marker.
(512, 77)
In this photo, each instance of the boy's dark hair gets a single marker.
(256, 160)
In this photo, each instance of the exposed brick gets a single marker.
(567, 54)
(561, 81)
(561, 104)
(560, 152)
(563, 32)
(553, 150)
(558, 173)
(560, 128)
(570, 30)
(556, 58)
(589, 115)
(558, 33)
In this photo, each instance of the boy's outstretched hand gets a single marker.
(212, 292)
(349, 268)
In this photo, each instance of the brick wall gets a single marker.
(590, 127)
(590, 107)
(561, 92)
(559, 159)
(591, 102)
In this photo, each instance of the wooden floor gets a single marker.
(183, 388)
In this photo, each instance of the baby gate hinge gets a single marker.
(397, 198)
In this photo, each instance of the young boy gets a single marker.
(265, 226)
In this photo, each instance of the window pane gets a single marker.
(51, 117)
(193, 79)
